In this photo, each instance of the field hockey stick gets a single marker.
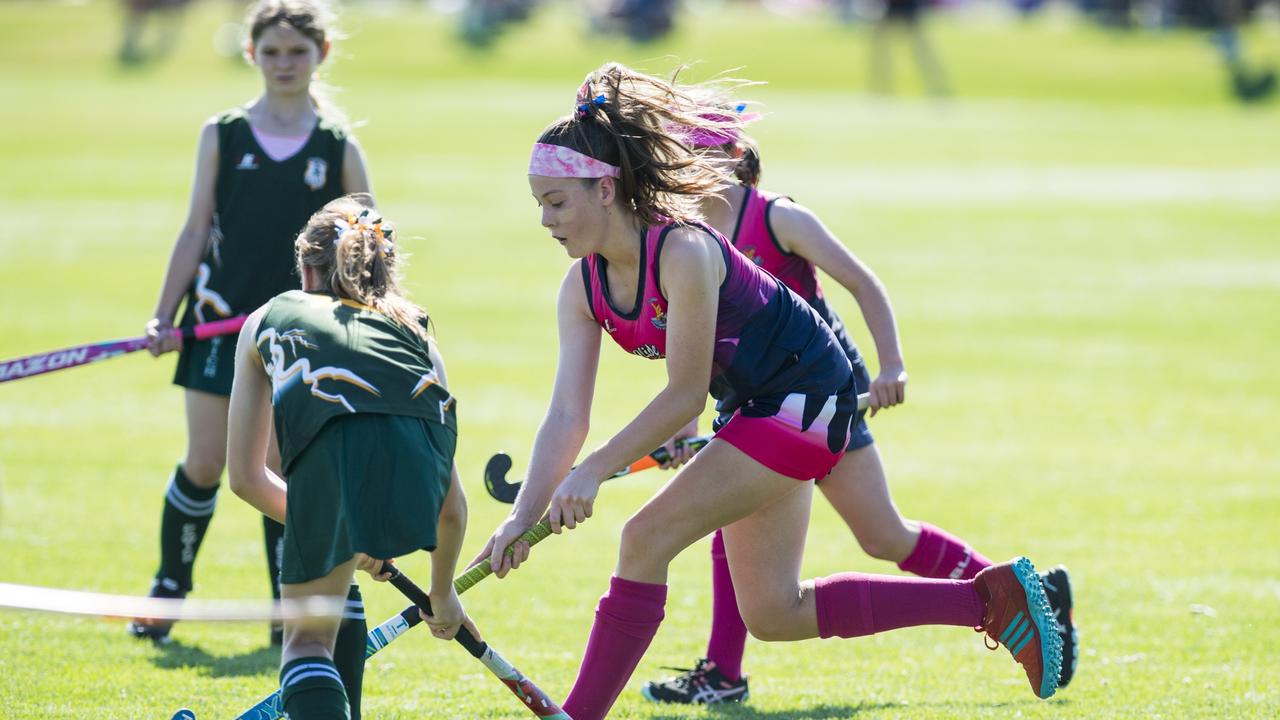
(531, 695)
(42, 363)
(503, 490)
(268, 708)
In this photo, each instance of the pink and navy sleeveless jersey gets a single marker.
(769, 343)
(753, 237)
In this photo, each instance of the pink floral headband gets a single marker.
(558, 161)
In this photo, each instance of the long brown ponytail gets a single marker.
(639, 123)
(748, 168)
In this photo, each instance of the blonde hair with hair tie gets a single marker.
(353, 250)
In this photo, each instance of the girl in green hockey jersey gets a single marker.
(366, 431)
(261, 171)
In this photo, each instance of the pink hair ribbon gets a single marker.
(715, 137)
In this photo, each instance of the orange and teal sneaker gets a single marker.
(1018, 617)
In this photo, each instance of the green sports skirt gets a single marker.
(207, 365)
(367, 483)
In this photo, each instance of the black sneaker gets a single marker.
(1057, 585)
(703, 685)
(157, 631)
(277, 635)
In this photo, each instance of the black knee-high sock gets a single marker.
(349, 650)
(187, 512)
(273, 541)
(310, 689)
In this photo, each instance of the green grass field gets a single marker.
(1081, 248)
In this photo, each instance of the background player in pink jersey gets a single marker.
(788, 240)
(620, 191)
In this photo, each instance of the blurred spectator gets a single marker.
(1226, 17)
(166, 13)
(904, 16)
(484, 20)
(639, 20)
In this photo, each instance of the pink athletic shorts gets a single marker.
(782, 443)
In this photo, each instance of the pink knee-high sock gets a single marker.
(627, 618)
(728, 632)
(854, 604)
(939, 554)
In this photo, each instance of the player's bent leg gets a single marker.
(694, 503)
(721, 669)
(859, 491)
(765, 550)
(310, 684)
(1006, 601)
(728, 637)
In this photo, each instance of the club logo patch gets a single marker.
(750, 252)
(659, 318)
(248, 162)
(316, 174)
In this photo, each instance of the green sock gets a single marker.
(310, 689)
(187, 512)
(349, 650)
(273, 541)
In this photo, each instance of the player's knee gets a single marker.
(767, 628)
(891, 542)
(635, 536)
(304, 642)
(203, 471)
(874, 543)
(771, 619)
(642, 541)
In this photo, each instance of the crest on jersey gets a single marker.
(659, 319)
(248, 162)
(609, 327)
(750, 252)
(316, 174)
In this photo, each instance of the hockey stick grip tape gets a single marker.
(533, 536)
(204, 331)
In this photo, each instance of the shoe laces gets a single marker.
(690, 677)
(988, 640)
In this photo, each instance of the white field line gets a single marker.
(75, 602)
